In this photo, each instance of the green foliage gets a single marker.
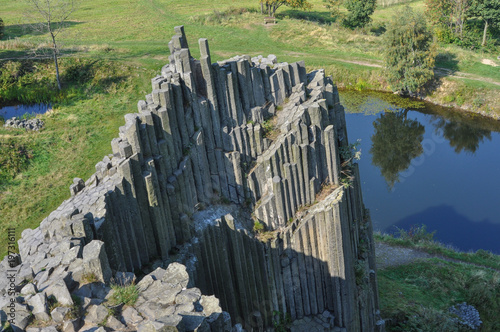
(489, 11)
(480, 257)
(348, 154)
(427, 289)
(429, 320)
(89, 278)
(2, 27)
(14, 158)
(258, 226)
(334, 7)
(409, 52)
(360, 12)
(360, 271)
(124, 294)
(281, 321)
(416, 234)
(273, 5)
(16, 76)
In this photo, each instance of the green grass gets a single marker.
(406, 291)
(480, 257)
(126, 295)
(417, 296)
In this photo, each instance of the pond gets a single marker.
(431, 166)
(9, 111)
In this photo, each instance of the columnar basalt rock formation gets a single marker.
(214, 149)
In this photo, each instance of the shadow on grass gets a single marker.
(20, 30)
(446, 62)
(14, 54)
(312, 16)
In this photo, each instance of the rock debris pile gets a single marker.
(28, 124)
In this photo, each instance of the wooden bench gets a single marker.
(269, 19)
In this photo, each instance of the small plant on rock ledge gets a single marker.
(348, 154)
(127, 294)
(281, 321)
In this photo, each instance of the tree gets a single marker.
(489, 11)
(273, 5)
(395, 142)
(1, 28)
(49, 16)
(334, 7)
(409, 52)
(450, 15)
(359, 12)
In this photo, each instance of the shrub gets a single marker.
(360, 12)
(258, 226)
(410, 52)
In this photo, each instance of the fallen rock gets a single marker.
(39, 307)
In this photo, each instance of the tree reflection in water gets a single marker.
(395, 142)
(462, 136)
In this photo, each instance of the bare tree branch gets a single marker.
(49, 17)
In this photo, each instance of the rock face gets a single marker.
(213, 150)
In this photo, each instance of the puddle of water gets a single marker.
(8, 112)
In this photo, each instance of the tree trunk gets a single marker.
(485, 31)
(54, 52)
(261, 8)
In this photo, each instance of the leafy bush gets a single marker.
(360, 12)
(410, 52)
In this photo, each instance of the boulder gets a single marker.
(95, 261)
(39, 307)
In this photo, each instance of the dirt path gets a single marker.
(443, 72)
(393, 256)
(388, 255)
(440, 72)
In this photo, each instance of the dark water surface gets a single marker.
(428, 166)
(7, 112)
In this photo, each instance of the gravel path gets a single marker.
(388, 255)
(393, 256)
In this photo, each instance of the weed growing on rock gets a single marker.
(126, 295)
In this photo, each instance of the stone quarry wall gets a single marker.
(256, 135)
